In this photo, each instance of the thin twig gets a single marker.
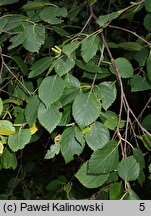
(78, 7)
(102, 55)
(126, 130)
(87, 22)
(136, 119)
(131, 32)
(146, 105)
(24, 87)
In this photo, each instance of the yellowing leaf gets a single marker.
(33, 129)
(1, 148)
(1, 106)
(86, 129)
(6, 128)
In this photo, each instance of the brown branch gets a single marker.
(123, 100)
(118, 79)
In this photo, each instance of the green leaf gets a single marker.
(79, 136)
(3, 22)
(86, 109)
(72, 81)
(130, 46)
(13, 21)
(8, 160)
(90, 181)
(106, 91)
(138, 155)
(66, 116)
(146, 122)
(124, 66)
(129, 169)
(51, 89)
(8, 2)
(31, 110)
(21, 64)
(148, 5)
(50, 117)
(70, 145)
(40, 66)
(16, 40)
(51, 14)
(53, 151)
(34, 37)
(105, 73)
(116, 191)
(60, 31)
(129, 13)
(147, 21)
(110, 120)
(148, 65)
(22, 91)
(141, 177)
(146, 139)
(97, 136)
(89, 47)
(104, 20)
(90, 67)
(72, 89)
(104, 160)
(113, 177)
(62, 66)
(19, 115)
(36, 5)
(56, 183)
(19, 139)
(6, 128)
(1, 106)
(112, 45)
(67, 187)
(139, 83)
(131, 195)
(141, 56)
(69, 48)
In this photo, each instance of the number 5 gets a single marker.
(142, 206)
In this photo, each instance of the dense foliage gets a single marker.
(75, 117)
